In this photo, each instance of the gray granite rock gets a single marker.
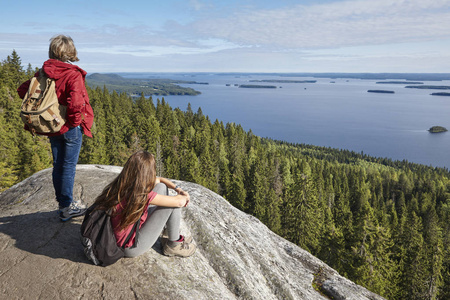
(238, 257)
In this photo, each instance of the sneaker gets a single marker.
(181, 249)
(77, 208)
(77, 203)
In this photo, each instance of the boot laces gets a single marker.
(184, 245)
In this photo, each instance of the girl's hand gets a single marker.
(184, 193)
(188, 198)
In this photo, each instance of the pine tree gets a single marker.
(93, 150)
(373, 262)
(444, 290)
(257, 191)
(236, 193)
(332, 242)
(433, 252)
(11, 72)
(273, 212)
(303, 218)
(343, 220)
(189, 169)
(413, 281)
(8, 174)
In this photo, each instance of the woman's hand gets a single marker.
(188, 198)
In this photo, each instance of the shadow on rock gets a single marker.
(44, 234)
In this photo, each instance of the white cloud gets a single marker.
(206, 46)
(337, 24)
(341, 35)
(196, 4)
(331, 25)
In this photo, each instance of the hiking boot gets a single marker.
(77, 208)
(165, 238)
(188, 239)
(181, 249)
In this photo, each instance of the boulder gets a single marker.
(238, 257)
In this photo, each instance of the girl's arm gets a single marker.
(170, 185)
(170, 201)
(180, 200)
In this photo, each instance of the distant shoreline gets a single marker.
(332, 75)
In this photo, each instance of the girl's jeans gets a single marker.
(65, 150)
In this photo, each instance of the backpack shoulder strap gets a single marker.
(135, 228)
(33, 87)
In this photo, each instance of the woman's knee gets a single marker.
(161, 189)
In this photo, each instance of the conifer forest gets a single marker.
(381, 223)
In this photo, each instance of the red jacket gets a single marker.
(71, 92)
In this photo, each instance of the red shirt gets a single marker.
(121, 235)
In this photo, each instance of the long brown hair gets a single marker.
(133, 184)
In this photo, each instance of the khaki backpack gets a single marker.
(40, 110)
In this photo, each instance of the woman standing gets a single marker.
(66, 144)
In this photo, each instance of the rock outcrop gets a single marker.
(238, 257)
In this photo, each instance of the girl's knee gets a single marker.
(161, 189)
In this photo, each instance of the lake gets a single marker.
(337, 113)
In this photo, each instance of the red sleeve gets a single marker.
(23, 88)
(151, 196)
(75, 100)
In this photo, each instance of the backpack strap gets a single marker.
(33, 89)
(35, 84)
(54, 115)
(135, 228)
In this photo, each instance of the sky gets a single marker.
(352, 36)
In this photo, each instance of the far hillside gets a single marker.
(135, 87)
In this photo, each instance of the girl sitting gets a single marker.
(137, 193)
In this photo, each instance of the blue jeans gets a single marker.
(65, 150)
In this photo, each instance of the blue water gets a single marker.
(340, 115)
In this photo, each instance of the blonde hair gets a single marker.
(62, 48)
(133, 184)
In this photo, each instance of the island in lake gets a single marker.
(437, 129)
(440, 94)
(399, 82)
(284, 81)
(255, 86)
(429, 87)
(380, 91)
